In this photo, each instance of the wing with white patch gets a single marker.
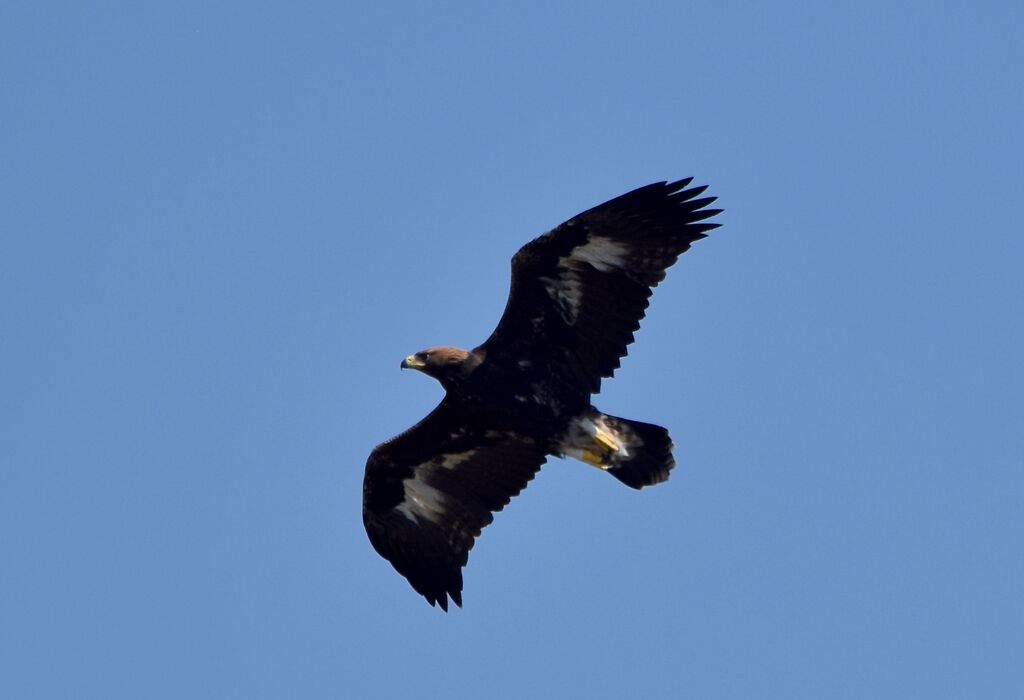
(429, 492)
(579, 291)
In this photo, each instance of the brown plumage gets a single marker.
(578, 294)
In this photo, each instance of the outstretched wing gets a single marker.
(429, 492)
(579, 291)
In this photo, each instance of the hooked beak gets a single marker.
(412, 363)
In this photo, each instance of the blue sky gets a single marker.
(224, 224)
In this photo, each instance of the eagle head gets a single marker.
(445, 364)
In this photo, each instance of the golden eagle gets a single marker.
(578, 294)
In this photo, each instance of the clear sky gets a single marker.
(222, 226)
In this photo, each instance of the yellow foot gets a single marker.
(606, 440)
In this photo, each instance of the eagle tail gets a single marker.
(637, 454)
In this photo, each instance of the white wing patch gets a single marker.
(603, 253)
(450, 461)
(566, 290)
(421, 501)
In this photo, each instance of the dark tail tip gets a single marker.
(651, 460)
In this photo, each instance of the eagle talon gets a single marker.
(595, 459)
(607, 441)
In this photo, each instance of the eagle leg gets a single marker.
(606, 440)
(594, 458)
(606, 446)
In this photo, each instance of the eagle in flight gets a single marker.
(578, 293)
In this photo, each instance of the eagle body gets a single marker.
(578, 294)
